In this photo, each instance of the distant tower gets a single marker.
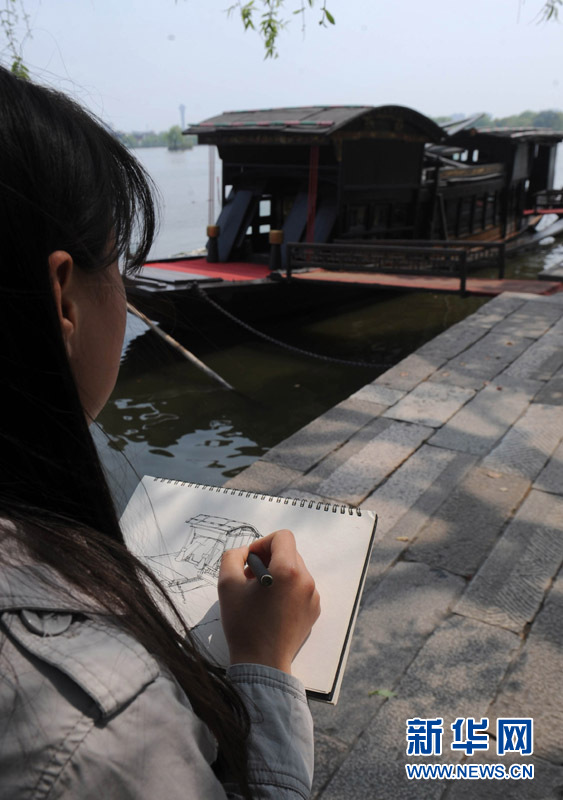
(182, 108)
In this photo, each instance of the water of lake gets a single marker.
(166, 418)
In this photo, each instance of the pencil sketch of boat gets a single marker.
(198, 561)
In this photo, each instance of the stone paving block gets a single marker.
(482, 362)
(458, 338)
(539, 362)
(430, 404)
(407, 485)
(296, 493)
(393, 624)
(555, 334)
(557, 328)
(532, 687)
(379, 394)
(411, 370)
(546, 784)
(526, 447)
(502, 305)
(311, 481)
(555, 299)
(550, 478)
(329, 754)
(391, 543)
(263, 477)
(366, 775)
(455, 674)
(511, 584)
(354, 479)
(308, 446)
(462, 532)
(532, 320)
(478, 426)
(552, 392)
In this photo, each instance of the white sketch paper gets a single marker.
(181, 531)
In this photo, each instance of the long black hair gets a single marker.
(67, 183)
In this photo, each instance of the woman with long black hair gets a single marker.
(102, 695)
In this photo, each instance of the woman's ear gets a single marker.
(61, 267)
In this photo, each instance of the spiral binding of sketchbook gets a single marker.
(181, 530)
(318, 505)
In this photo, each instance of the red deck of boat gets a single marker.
(244, 271)
(529, 211)
(432, 283)
(229, 271)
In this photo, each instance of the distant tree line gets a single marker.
(549, 118)
(173, 139)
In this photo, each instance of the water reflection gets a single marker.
(168, 419)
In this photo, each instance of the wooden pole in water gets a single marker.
(177, 346)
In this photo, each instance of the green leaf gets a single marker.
(329, 16)
(382, 693)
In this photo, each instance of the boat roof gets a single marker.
(529, 134)
(309, 124)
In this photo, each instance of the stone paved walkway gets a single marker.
(459, 450)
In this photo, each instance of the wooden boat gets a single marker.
(362, 189)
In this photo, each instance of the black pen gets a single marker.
(260, 571)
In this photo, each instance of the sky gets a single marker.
(134, 62)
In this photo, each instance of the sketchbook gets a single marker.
(180, 531)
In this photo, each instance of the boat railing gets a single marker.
(383, 258)
(478, 253)
(548, 199)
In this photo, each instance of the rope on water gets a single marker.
(330, 359)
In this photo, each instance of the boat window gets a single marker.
(356, 218)
(489, 213)
(380, 215)
(265, 208)
(264, 229)
(450, 206)
(464, 219)
(475, 156)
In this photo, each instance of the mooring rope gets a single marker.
(330, 359)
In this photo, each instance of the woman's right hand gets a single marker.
(267, 624)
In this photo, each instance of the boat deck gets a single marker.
(199, 269)
(430, 283)
(174, 272)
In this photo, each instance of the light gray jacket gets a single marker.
(86, 712)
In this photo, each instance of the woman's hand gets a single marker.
(267, 624)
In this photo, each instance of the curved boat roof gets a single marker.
(317, 124)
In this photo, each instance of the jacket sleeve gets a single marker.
(158, 747)
(281, 745)
(171, 749)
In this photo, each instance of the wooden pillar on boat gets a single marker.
(504, 210)
(459, 202)
(501, 260)
(472, 214)
(312, 193)
(434, 203)
(213, 244)
(463, 274)
(275, 238)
